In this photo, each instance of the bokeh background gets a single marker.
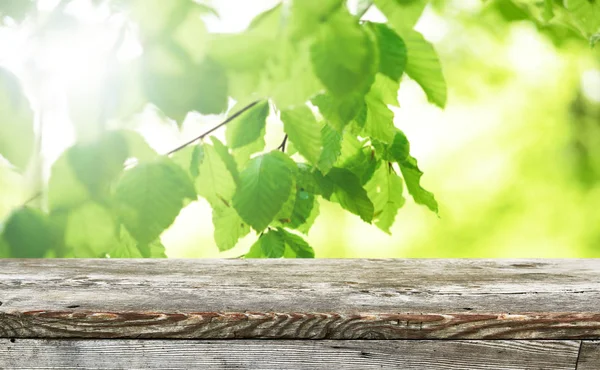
(514, 159)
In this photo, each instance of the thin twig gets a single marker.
(32, 198)
(203, 135)
(282, 145)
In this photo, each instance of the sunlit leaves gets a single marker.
(343, 55)
(229, 227)
(277, 243)
(156, 17)
(339, 111)
(399, 151)
(587, 15)
(307, 15)
(362, 164)
(402, 13)
(304, 131)
(91, 230)
(150, 196)
(215, 182)
(412, 176)
(350, 194)
(28, 233)
(190, 158)
(16, 121)
(425, 68)
(298, 245)
(248, 127)
(296, 52)
(88, 169)
(385, 191)
(265, 185)
(332, 148)
(128, 247)
(392, 51)
(379, 123)
(178, 85)
(272, 244)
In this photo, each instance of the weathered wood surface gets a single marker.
(256, 354)
(589, 356)
(301, 299)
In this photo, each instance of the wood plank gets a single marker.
(589, 356)
(301, 299)
(257, 354)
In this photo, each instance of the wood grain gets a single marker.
(255, 354)
(589, 356)
(300, 299)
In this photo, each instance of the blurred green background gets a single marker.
(514, 159)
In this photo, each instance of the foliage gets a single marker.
(328, 77)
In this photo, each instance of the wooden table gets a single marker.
(312, 314)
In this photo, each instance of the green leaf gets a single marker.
(402, 13)
(424, 67)
(284, 216)
(312, 181)
(98, 163)
(88, 169)
(156, 17)
(379, 123)
(64, 188)
(29, 234)
(215, 182)
(128, 247)
(332, 148)
(272, 244)
(300, 247)
(307, 15)
(586, 14)
(412, 177)
(137, 147)
(385, 191)
(265, 185)
(229, 227)
(90, 230)
(227, 158)
(304, 132)
(397, 151)
(548, 13)
(167, 69)
(303, 205)
(392, 51)
(242, 155)
(350, 147)
(339, 111)
(343, 55)
(244, 55)
(255, 250)
(150, 196)
(289, 79)
(189, 159)
(362, 164)
(16, 121)
(248, 127)
(308, 221)
(16, 10)
(350, 194)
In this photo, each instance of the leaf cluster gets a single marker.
(312, 66)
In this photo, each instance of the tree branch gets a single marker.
(203, 135)
(282, 145)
